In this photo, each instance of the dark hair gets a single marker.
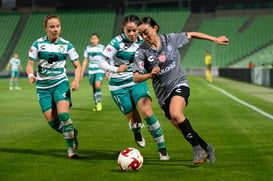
(50, 17)
(130, 18)
(95, 34)
(150, 21)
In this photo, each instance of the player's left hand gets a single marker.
(75, 86)
(222, 40)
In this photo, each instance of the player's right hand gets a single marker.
(122, 68)
(32, 79)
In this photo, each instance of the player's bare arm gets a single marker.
(222, 40)
(30, 71)
(75, 84)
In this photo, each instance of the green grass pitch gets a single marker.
(31, 150)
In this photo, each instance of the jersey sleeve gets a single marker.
(138, 65)
(180, 39)
(111, 49)
(33, 51)
(85, 53)
(73, 55)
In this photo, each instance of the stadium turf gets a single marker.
(30, 150)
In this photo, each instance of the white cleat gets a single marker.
(163, 154)
(72, 153)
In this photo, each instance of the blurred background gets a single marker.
(247, 23)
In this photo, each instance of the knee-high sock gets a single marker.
(56, 124)
(156, 131)
(97, 95)
(202, 142)
(188, 132)
(68, 128)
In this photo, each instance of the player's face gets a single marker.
(131, 31)
(53, 29)
(148, 33)
(94, 40)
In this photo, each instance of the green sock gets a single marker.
(156, 131)
(16, 84)
(98, 94)
(68, 128)
(56, 124)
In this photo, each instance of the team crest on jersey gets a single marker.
(109, 49)
(61, 49)
(162, 58)
(141, 65)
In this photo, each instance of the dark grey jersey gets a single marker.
(167, 57)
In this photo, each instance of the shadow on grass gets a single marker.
(87, 155)
(61, 153)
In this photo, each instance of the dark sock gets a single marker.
(202, 143)
(188, 132)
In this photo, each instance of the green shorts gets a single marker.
(126, 99)
(48, 98)
(14, 74)
(96, 77)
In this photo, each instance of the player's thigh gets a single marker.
(45, 98)
(92, 79)
(123, 100)
(62, 96)
(99, 77)
(140, 90)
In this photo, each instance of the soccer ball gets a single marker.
(130, 159)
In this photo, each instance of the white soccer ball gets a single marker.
(130, 159)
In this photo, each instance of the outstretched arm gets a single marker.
(222, 40)
(104, 65)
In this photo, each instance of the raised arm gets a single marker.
(222, 40)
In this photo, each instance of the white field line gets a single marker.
(242, 102)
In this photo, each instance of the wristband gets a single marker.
(30, 75)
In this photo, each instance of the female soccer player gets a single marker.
(159, 59)
(14, 66)
(93, 53)
(127, 94)
(53, 89)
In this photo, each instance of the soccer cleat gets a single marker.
(140, 141)
(17, 88)
(198, 155)
(210, 153)
(163, 154)
(72, 153)
(75, 142)
(10, 88)
(99, 106)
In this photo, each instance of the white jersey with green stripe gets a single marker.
(121, 51)
(51, 59)
(15, 64)
(94, 55)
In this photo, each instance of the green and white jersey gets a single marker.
(94, 55)
(121, 51)
(15, 63)
(51, 59)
